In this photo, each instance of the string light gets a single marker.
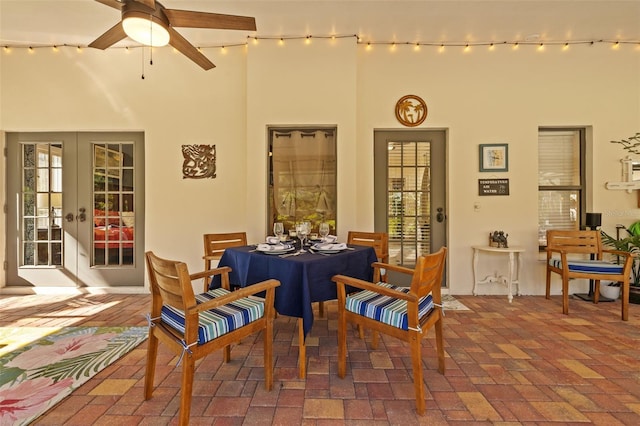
(417, 45)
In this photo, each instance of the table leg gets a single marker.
(519, 257)
(510, 278)
(302, 351)
(475, 269)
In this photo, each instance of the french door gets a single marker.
(410, 193)
(75, 209)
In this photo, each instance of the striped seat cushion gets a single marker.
(218, 321)
(589, 266)
(384, 308)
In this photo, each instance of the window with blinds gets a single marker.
(560, 180)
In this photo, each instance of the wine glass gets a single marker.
(323, 230)
(302, 230)
(278, 230)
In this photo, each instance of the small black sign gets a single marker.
(493, 186)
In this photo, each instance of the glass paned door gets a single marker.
(408, 199)
(410, 193)
(113, 204)
(74, 218)
(41, 204)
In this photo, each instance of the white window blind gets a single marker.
(559, 181)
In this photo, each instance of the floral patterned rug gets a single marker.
(36, 376)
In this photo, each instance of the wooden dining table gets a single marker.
(304, 279)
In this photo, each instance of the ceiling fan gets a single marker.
(150, 23)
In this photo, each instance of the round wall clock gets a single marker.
(411, 110)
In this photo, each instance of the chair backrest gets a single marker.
(580, 242)
(215, 244)
(170, 284)
(427, 275)
(378, 240)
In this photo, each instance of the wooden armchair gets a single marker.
(378, 240)
(562, 246)
(406, 313)
(193, 326)
(215, 244)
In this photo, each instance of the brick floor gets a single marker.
(518, 363)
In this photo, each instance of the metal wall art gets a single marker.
(199, 161)
(411, 110)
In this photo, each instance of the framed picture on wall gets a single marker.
(494, 157)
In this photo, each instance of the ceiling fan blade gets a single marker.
(189, 50)
(112, 3)
(112, 36)
(191, 19)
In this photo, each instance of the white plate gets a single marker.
(319, 249)
(276, 251)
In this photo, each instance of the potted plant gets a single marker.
(630, 244)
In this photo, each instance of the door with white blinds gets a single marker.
(560, 180)
(410, 194)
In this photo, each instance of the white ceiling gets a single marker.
(79, 22)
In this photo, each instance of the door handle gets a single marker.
(440, 215)
(82, 216)
(69, 217)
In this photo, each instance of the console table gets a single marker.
(515, 264)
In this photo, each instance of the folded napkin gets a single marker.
(272, 247)
(330, 239)
(273, 240)
(330, 246)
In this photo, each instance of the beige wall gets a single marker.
(499, 96)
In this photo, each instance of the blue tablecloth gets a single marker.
(304, 279)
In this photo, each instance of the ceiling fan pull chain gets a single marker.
(150, 39)
(142, 62)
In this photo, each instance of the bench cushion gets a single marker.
(384, 308)
(218, 321)
(589, 266)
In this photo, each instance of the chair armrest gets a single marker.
(366, 285)
(222, 270)
(268, 285)
(209, 273)
(618, 252)
(555, 250)
(395, 268)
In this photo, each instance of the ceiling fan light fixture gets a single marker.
(146, 31)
